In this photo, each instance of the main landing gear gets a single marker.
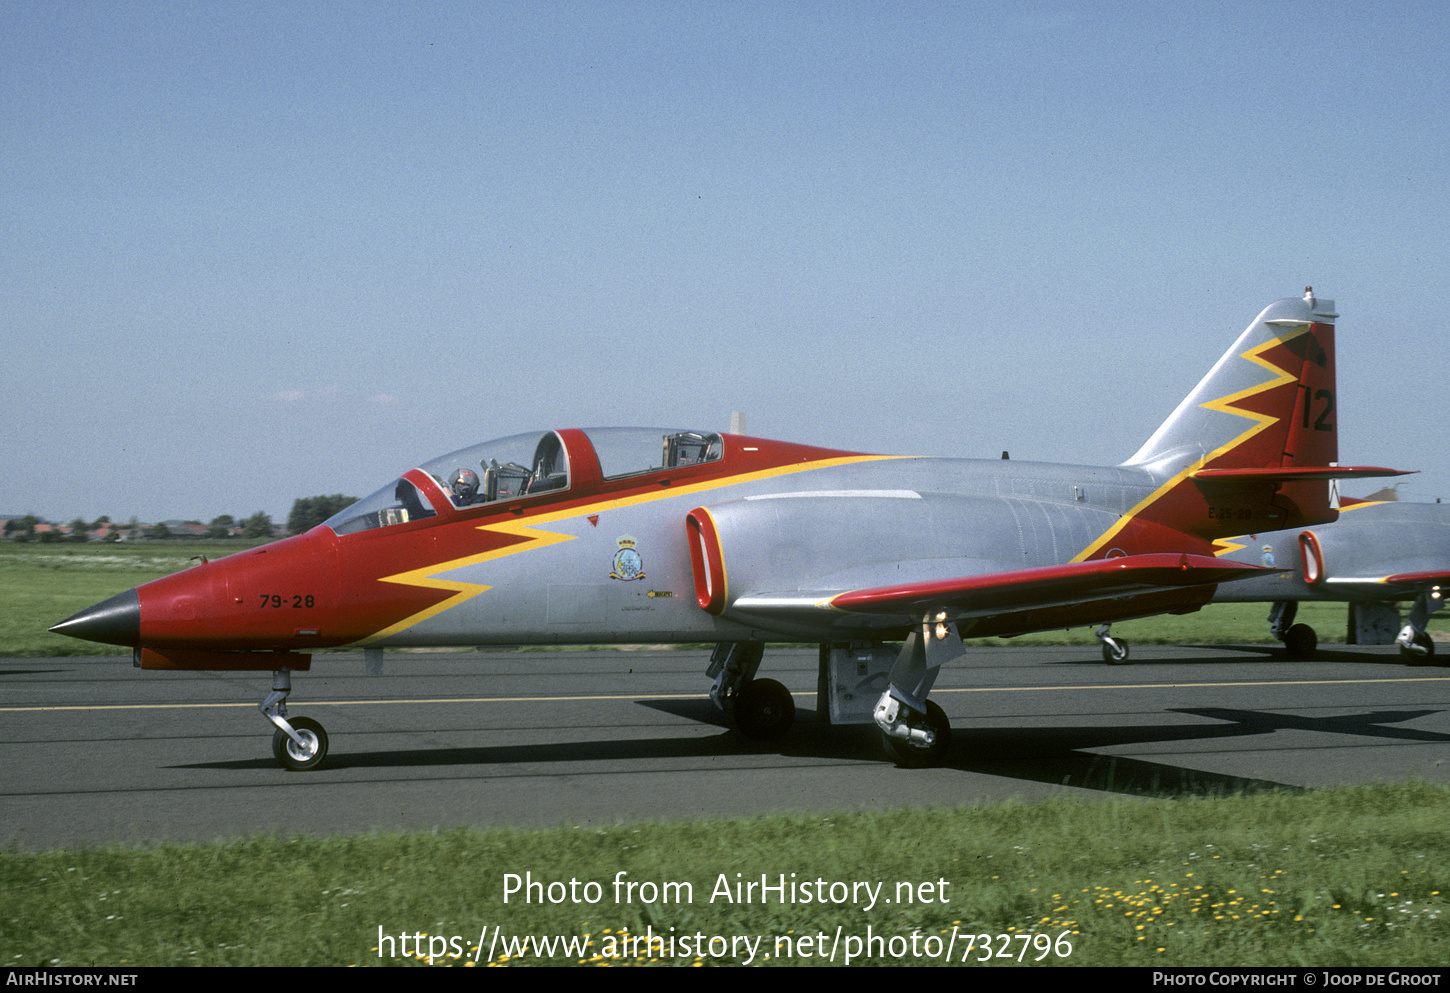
(1300, 640)
(300, 744)
(914, 730)
(763, 708)
(925, 735)
(1416, 645)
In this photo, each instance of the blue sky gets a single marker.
(258, 251)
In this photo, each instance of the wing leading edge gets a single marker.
(1399, 585)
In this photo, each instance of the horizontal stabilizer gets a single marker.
(1291, 472)
(1048, 586)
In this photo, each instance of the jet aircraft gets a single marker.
(664, 535)
(1377, 553)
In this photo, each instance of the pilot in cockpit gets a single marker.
(463, 485)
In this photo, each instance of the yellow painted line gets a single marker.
(1174, 686)
(362, 703)
(704, 696)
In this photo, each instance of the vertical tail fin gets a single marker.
(1253, 447)
(1269, 401)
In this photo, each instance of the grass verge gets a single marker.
(43, 584)
(1354, 876)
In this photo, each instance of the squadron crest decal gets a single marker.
(628, 565)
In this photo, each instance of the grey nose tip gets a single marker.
(116, 621)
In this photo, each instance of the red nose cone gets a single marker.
(278, 597)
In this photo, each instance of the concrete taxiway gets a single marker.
(94, 751)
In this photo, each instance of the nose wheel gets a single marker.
(307, 753)
(1300, 641)
(299, 744)
(763, 708)
(1115, 650)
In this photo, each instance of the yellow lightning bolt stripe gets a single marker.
(1281, 376)
(1224, 405)
(1227, 546)
(1361, 505)
(462, 592)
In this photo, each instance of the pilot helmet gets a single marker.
(464, 484)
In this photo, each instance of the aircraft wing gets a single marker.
(1398, 586)
(1025, 589)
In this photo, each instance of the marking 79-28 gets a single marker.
(278, 600)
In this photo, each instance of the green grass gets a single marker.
(1355, 876)
(43, 584)
(1351, 876)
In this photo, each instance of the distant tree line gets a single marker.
(259, 525)
(307, 513)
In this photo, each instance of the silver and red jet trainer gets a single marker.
(1377, 554)
(662, 535)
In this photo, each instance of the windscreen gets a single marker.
(503, 469)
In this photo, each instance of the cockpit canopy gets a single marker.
(525, 465)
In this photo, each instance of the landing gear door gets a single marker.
(851, 680)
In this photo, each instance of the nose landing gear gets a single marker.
(300, 744)
(1115, 650)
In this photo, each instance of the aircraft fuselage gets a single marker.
(610, 561)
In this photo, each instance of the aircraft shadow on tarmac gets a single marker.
(1060, 756)
(1244, 655)
(1057, 756)
(1371, 655)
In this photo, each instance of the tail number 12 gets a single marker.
(1321, 423)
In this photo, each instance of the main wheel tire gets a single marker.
(1115, 651)
(294, 756)
(911, 756)
(1422, 653)
(1300, 641)
(764, 710)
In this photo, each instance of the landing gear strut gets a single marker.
(299, 744)
(914, 730)
(763, 708)
(1416, 645)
